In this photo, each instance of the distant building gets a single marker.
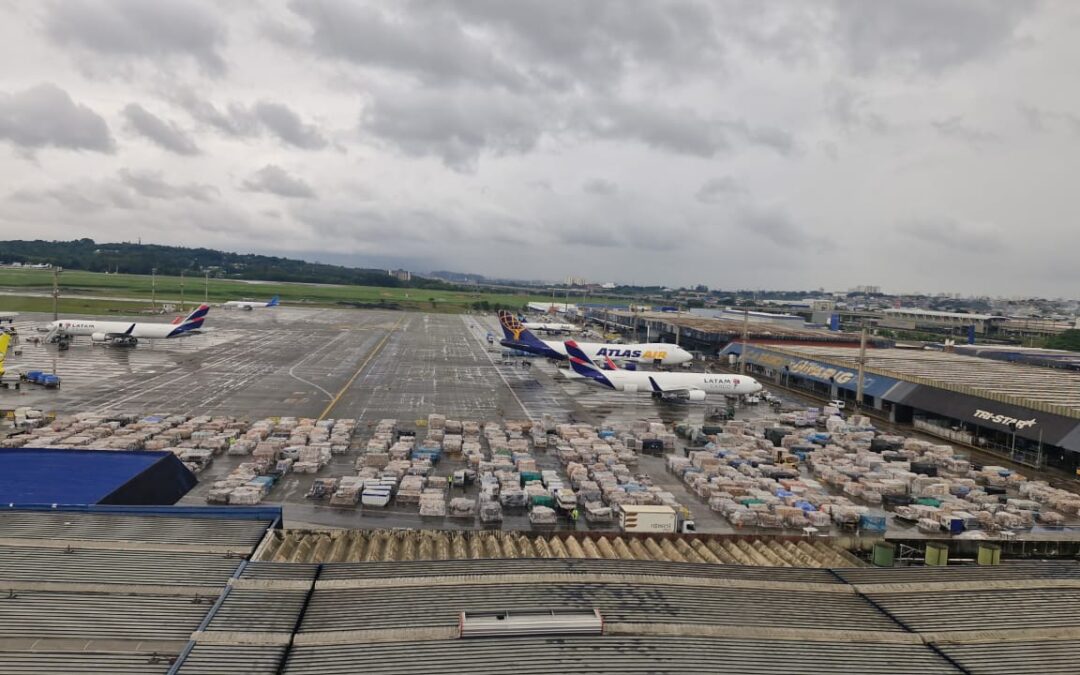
(400, 275)
(867, 290)
(575, 281)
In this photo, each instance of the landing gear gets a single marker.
(63, 344)
(125, 341)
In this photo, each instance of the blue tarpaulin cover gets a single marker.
(54, 476)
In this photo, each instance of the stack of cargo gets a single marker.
(348, 491)
(433, 503)
(409, 489)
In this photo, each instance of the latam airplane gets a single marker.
(250, 304)
(125, 333)
(517, 336)
(678, 387)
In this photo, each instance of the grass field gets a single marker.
(138, 288)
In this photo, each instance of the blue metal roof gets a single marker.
(37, 476)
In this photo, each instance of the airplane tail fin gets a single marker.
(274, 301)
(609, 364)
(195, 319)
(515, 331)
(583, 366)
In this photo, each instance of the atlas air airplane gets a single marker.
(250, 304)
(125, 333)
(518, 336)
(667, 386)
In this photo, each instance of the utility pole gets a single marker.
(181, 290)
(745, 338)
(862, 368)
(206, 289)
(153, 288)
(56, 292)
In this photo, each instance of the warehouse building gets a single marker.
(1029, 412)
(710, 335)
(176, 592)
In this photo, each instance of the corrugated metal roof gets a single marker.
(83, 565)
(84, 663)
(502, 566)
(1048, 657)
(1010, 571)
(983, 610)
(258, 610)
(99, 616)
(69, 525)
(440, 605)
(231, 660)
(622, 655)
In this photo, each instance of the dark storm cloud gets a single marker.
(600, 187)
(157, 30)
(718, 190)
(163, 133)
(45, 116)
(950, 236)
(151, 184)
(281, 121)
(275, 180)
(926, 35)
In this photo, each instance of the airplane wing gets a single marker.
(678, 394)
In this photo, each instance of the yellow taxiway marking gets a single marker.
(378, 348)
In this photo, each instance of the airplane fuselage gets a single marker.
(650, 352)
(80, 327)
(710, 383)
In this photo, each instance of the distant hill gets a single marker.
(88, 255)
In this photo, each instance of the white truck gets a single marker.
(650, 519)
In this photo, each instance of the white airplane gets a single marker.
(124, 333)
(250, 304)
(518, 336)
(549, 327)
(667, 386)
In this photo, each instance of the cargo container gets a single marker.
(652, 519)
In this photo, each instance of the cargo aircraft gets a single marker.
(676, 387)
(518, 336)
(124, 333)
(251, 304)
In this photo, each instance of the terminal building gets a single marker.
(710, 335)
(1027, 412)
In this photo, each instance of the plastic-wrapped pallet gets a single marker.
(433, 503)
(461, 507)
(542, 515)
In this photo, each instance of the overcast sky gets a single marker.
(913, 144)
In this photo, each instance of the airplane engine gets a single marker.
(695, 395)
(99, 337)
(630, 388)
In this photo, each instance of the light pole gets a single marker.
(153, 288)
(181, 290)
(56, 292)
